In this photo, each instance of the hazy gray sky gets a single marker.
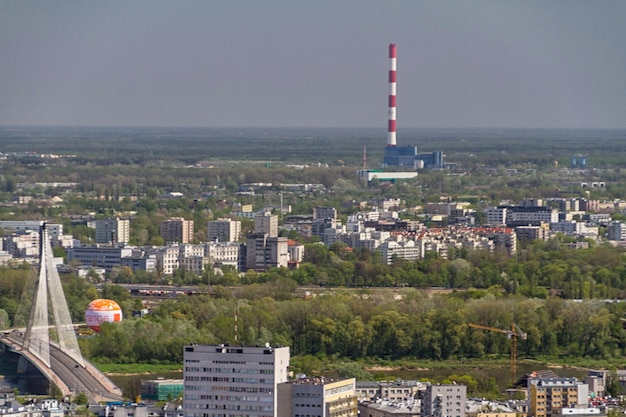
(479, 63)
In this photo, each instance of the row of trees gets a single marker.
(376, 324)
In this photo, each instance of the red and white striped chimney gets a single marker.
(391, 128)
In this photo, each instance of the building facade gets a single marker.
(319, 397)
(445, 400)
(177, 229)
(233, 381)
(549, 396)
(223, 230)
(112, 230)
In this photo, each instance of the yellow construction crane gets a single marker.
(512, 334)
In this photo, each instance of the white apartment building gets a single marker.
(233, 381)
(226, 253)
(167, 258)
(401, 249)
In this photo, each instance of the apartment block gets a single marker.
(318, 397)
(223, 230)
(177, 229)
(266, 223)
(549, 396)
(112, 230)
(233, 381)
(447, 400)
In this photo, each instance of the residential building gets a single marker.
(547, 397)
(226, 253)
(319, 397)
(167, 258)
(266, 223)
(444, 400)
(177, 229)
(616, 231)
(322, 213)
(112, 230)
(223, 230)
(264, 252)
(230, 381)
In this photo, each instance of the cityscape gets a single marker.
(204, 211)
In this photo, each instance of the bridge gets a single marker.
(49, 343)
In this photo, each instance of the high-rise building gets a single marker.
(223, 230)
(444, 400)
(319, 397)
(264, 252)
(177, 229)
(233, 381)
(112, 230)
(266, 223)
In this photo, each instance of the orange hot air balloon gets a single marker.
(100, 311)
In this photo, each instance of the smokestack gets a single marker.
(391, 129)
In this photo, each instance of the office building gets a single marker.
(177, 229)
(223, 230)
(233, 381)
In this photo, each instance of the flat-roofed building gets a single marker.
(232, 381)
(112, 230)
(223, 230)
(320, 397)
(177, 229)
(444, 400)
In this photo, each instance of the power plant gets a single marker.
(404, 156)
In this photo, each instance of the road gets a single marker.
(70, 376)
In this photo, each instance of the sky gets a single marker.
(322, 63)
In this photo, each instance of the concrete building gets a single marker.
(167, 258)
(177, 229)
(322, 213)
(112, 230)
(223, 230)
(549, 396)
(616, 231)
(266, 223)
(319, 397)
(447, 400)
(232, 381)
(226, 253)
(389, 408)
(264, 252)
(106, 257)
(397, 391)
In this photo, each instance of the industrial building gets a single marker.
(404, 156)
